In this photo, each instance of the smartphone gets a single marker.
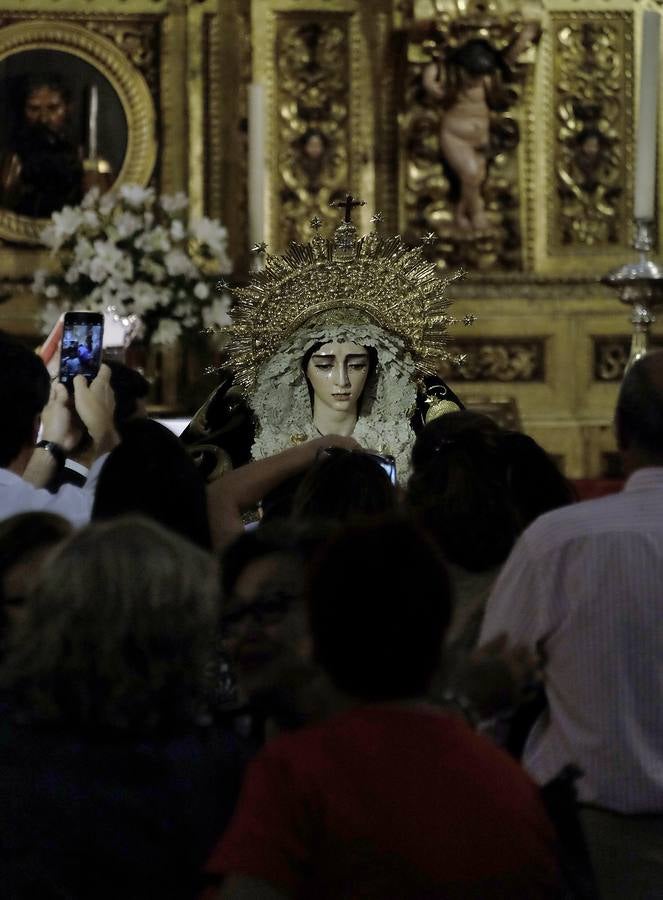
(388, 463)
(80, 349)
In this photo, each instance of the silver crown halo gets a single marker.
(343, 281)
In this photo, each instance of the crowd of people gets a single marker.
(448, 688)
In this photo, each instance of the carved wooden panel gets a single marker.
(433, 181)
(507, 360)
(611, 354)
(593, 131)
(313, 75)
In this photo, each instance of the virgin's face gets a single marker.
(338, 373)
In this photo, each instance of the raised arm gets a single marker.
(243, 488)
(94, 404)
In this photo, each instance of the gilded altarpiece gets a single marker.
(321, 64)
(351, 103)
(558, 199)
(592, 133)
(467, 77)
(161, 58)
(313, 67)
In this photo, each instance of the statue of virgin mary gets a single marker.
(341, 336)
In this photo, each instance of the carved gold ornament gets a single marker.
(314, 106)
(437, 408)
(504, 360)
(468, 203)
(593, 99)
(127, 82)
(343, 281)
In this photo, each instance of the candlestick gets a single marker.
(645, 166)
(640, 285)
(256, 186)
(93, 116)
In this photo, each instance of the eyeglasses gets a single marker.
(265, 610)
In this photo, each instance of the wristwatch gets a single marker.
(56, 451)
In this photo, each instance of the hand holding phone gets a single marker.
(95, 404)
(81, 346)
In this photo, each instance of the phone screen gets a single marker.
(388, 463)
(82, 339)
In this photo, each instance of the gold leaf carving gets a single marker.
(138, 39)
(433, 189)
(593, 101)
(611, 355)
(504, 360)
(129, 84)
(313, 108)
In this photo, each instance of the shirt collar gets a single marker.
(645, 478)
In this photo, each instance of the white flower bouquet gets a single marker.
(136, 256)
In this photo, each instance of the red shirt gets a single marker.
(390, 802)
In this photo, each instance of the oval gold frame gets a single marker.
(128, 83)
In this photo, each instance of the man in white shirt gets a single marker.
(583, 588)
(28, 400)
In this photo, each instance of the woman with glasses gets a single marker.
(263, 628)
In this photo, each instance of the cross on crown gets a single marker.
(348, 205)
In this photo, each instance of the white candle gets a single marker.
(93, 115)
(256, 187)
(645, 165)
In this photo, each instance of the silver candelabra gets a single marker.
(640, 285)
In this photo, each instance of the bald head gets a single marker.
(639, 415)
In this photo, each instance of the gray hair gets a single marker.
(118, 631)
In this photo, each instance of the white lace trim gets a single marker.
(283, 409)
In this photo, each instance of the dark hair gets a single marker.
(129, 386)
(475, 487)
(379, 603)
(535, 483)
(117, 633)
(24, 390)
(151, 473)
(458, 490)
(341, 484)
(639, 413)
(283, 538)
(22, 534)
(277, 504)
(477, 57)
(21, 537)
(31, 82)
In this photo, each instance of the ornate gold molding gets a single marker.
(503, 360)
(611, 354)
(129, 84)
(433, 185)
(271, 21)
(212, 123)
(313, 108)
(593, 134)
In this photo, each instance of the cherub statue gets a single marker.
(470, 81)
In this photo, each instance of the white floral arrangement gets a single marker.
(137, 256)
(282, 406)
